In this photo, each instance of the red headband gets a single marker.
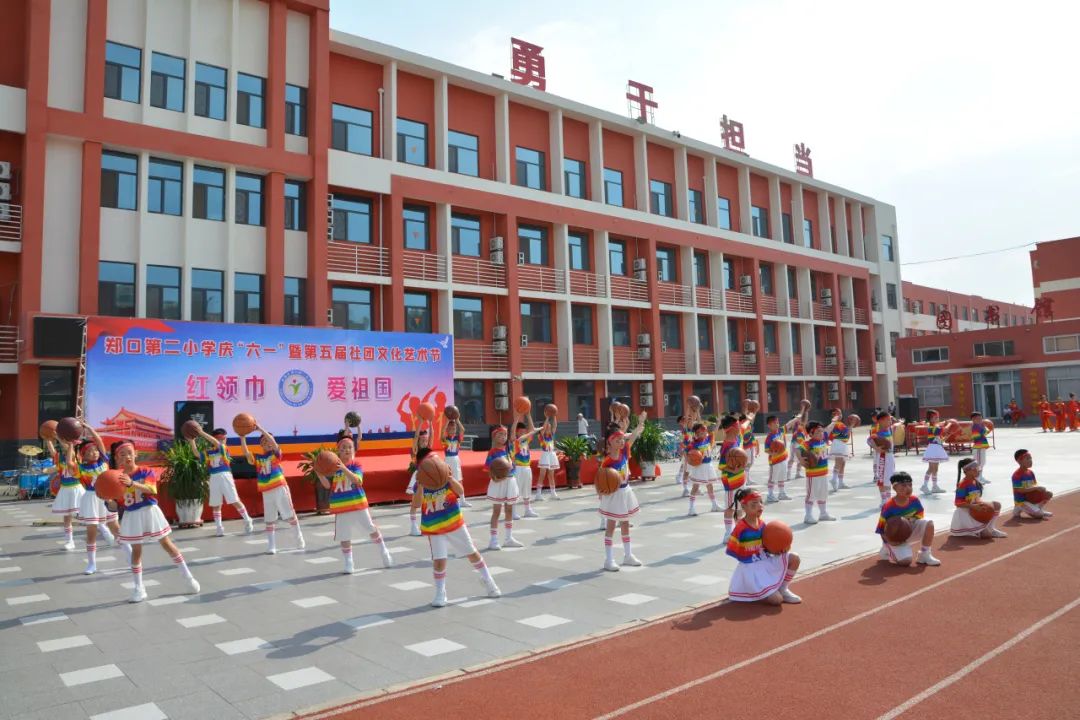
(123, 443)
(753, 495)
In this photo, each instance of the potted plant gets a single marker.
(572, 451)
(185, 479)
(322, 495)
(646, 449)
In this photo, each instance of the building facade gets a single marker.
(1055, 276)
(922, 305)
(238, 161)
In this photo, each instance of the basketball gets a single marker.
(69, 429)
(352, 419)
(433, 473)
(982, 512)
(899, 433)
(426, 411)
(777, 537)
(1036, 496)
(989, 425)
(243, 424)
(191, 429)
(522, 405)
(501, 468)
(326, 463)
(777, 446)
(608, 480)
(551, 410)
(882, 443)
(621, 410)
(693, 403)
(48, 430)
(897, 530)
(694, 457)
(752, 406)
(108, 485)
(736, 459)
(804, 403)
(451, 412)
(853, 420)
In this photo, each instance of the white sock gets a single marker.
(508, 526)
(136, 574)
(271, 541)
(217, 517)
(609, 550)
(481, 567)
(626, 545)
(91, 554)
(440, 581)
(182, 565)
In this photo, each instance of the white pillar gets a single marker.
(776, 223)
(502, 138)
(682, 195)
(555, 146)
(389, 117)
(825, 221)
(596, 161)
(841, 227)
(711, 193)
(442, 141)
(641, 171)
(798, 214)
(745, 223)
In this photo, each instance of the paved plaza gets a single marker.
(268, 636)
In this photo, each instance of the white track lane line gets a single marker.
(967, 669)
(825, 630)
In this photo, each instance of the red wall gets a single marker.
(1058, 260)
(695, 172)
(810, 212)
(619, 155)
(13, 47)
(727, 186)
(661, 164)
(576, 147)
(474, 113)
(357, 83)
(529, 128)
(416, 101)
(759, 193)
(926, 295)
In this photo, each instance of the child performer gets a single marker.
(503, 489)
(622, 504)
(549, 461)
(452, 435)
(349, 503)
(749, 442)
(759, 575)
(706, 473)
(92, 510)
(815, 457)
(884, 460)
(445, 528)
(686, 439)
(968, 491)
(934, 454)
(143, 521)
(71, 490)
(731, 478)
(796, 427)
(906, 505)
(222, 485)
(522, 458)
(1023, 481)
(839, 436)
(277, 501)
(979, 444)
(421, 439)
(776, 447)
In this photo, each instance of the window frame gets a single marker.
(808, 232)
(164, 85)
(155, 293)
(456, 231)
(242, 299)
(924, 356)
(578, 255)
(888, 249)
(695, 210)
(723, 212)
(524, 233)
(701, 269)
(295, 205)
(336, 304)
(111, 289)
(619, 318)
(580, 174)
(1008, 348)
(625, 268)
(296, 110)
(582, 331)
(468, 328)
(201, 193)
(666, 261)
(542, 333)
(249, 102)
(704, 339)
(202, 297)
(425, 311)
(295, 302)
(670, 331)
(416, 215)
(342, 230)
(402, 136)
(345, 128)
(123, 73)
(932, 390)
(766, 279)
(1051, 344)
(455, 153)
(242, 200)
(891, 296)
(132, 175)
(209, 90)
(610, 181)
(660, 198)
(787, 228)
(537, 165)
(759, 222)
(158, 187)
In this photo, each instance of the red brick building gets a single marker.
(969, 312)
(1055, 276)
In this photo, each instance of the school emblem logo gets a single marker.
(296, 388)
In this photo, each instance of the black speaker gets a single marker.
(58, 337)
(908, 408)
(201, 411)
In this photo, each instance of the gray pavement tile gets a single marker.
(202, 705)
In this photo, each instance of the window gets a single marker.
(665, 264)
(1061, 343)
(529, 168)
(469, 397)
(581, 397)
(620, 327)
(732, 335)
(165, 187)
(541, 392)
(536, 321)
(660, 198)
(723, 213)
(417, 312)
(907, 305)
(995, 348)
(697, 210)
(208, 193)
(669, 331)
(207, 298)
(574, 177)
(248, 200)
(578, 249)
(792, 283)
(464, 153)
(894, 337)
(673, 400)
(704, 332)
(167, 81)
(119, 181)
(411, 142)
(613, 187)
(933, 390)
(890, 295)
(532, 243)
(465, 235)
(211, 91)
(116, 289)
(766, 273)
(617, 257)
(581, 324)
(619, 390)
(250, 99)
(416, 227)
(975, 314)
(468, 318)
(351, 307)
(808, 233)
(796, 340)
(887, 248)
(759, 220)
(729, 275)
(1060, 381)
(768, 338)
(295, 110)
(788, 232)
(352, 219)
(123, 72)
(933, 309)
(162, 292)
(701, 269)
(56, 395)
(294, 301)
(916, 307)
(295, 207)
(964, 312)
(350, 129)
(930, 355)
(247, 298)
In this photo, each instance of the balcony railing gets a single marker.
(707, 360)
(709, 298)
(850, 367)
(828, 366)
(10, 222)
(799, 370)
(357, 259)
(540, 359)
(587, 283)
(741, 364)
(861, 317)
(793, 307)
(624, 288)
(627, 361)
(425, 266)
(586, 359)
(674, 361)
(864, 368)
(672, 293)
(541, 278)
(474, 271)
(768, 305)
(772, 364)
(822, 312)
(9, 348)
(737, 302)
(478, 358)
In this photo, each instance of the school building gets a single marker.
(239, 161)
(1055, 276)
(923, 306)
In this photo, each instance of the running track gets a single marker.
(993, 632)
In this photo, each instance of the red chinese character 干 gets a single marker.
(527, 64)
(641, 101)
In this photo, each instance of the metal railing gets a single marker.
(768, 305)
(794, 308)
(357, 258)
(10, 222)
(673, 361)
(828, 366)
(9, 347)
(426, 266)
(627, 361)
(799, 365)
(861, 317)
(822, 312)
(706, 297)
(741, 364)
(737, 302)
(474, 271)
(772, 364)
(586, 359)
(540, 359)
(588, 283)
(673, 293)
(707, 362)
(541, 278)
(624, 288)
(468, 356)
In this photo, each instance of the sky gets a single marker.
(963, 115)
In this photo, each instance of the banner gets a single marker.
(298, 382)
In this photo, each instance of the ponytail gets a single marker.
(960, 469)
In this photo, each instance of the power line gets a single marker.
(970, 255)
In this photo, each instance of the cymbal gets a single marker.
(30, 450)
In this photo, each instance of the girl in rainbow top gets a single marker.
(349, 503)
(884, 460)
(1023, 482)
(815, 458)
(969, 491)
(143, 521)
(549, 461)
(776, 447)
(906, 505)
(277, 501)
(502, 490)
(839, 437)
(759, 575)
(685, 445)
(796, 427)
(444, 526)
(749, 442)
(421, 439)
(621, 505)
(452, 435)
(522, 458)
(92, 510)
(980, 443)
(704, 473)
(71, 490)
(731, 477)
(934, 454)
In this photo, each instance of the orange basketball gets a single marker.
(777, 446)
(608, 480)
(883, 443)
(693, 402)
(522, 405)
(982, 512)
(451, 412)
(109, 486)
(426, 411)
(777, 537)
(853, 420)
(694, 457)
(326, 463)
(69, 429)
(898, 530)
(48, 430)
(1036, 496)
(551, 410)
(622, 410)
(243, 424)
(735, 459)
(989, 425)
(501, 468)
(752, 406)
(433, 472)
(190, 430)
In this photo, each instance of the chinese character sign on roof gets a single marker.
(1044, 309)
(803, 164)
(993, 315)
(640, 101)
(944, 320)
(527, 64)
(731, 133)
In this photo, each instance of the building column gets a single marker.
(274, 283)
(556, 152)
(776, 219)
(759, 332)
(839, 330)
(90, 228)
(394, 299)
(825, 222)
(317, 287)
(502, 139)
(97, 12)
(682, 184)
(746, 224)
(798, 214)
(275, 76)
(711, 193)
(653, 328)
(388, 121)
(507, 227)
(857, 231)
(596, 161)
(641, 172)
(563, 318)
(842, 247)
(442, 123)
(603, 308)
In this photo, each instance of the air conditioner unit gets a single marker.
(853, 395)
(826, 293)
(830, 362)
(747, 290)
(639, 263)
(834, 387)
(749, 346)
(5, 211)
(834, 395)
(663, 346)
(645, 401)
(750, 359)
(645, 388)
(496, 257)
(826, 301)
(5, 170)
(751, 387)
(502, 402)
(643, 340)
(521, 258)
(495, 243)
(746, 281)
(502, 388)
(641, 275)
(5, 191)
(644, 353)
(498, 347)
(830, 350)
(329, 311)
(329, 216)
(498, 332)
(524, 341)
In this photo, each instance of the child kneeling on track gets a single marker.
(759, 575)
(906, 505)
(968, 492)
(1023, 481)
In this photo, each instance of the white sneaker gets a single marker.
(825, 517)
(387, 558)
(249, 526)
(494, 545)
(994, 532)
(809, 519)
(770, 498)
(692, 512)
(517, 514)
(512, 542)
(538, 497)
(784, 496)
(464, 503)
(555, 495)
(530, 513)
(271, 550)
(925, 558)
(90, 569)
(1047, 514)
(924, 490)
(790, 597)
(193, 584)
(300, 544)
(842, 486)
(219, 531)
(440, 599)
(631, 560)
(414, 530)
(716, 508)
(107, 536)
(937, 490)
(685, 492)
(69, 545)
(493, 590)
(611, 566)
(349, 567)
(138, 594)
(884, 552)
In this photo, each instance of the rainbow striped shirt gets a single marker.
(547, 441)
(818, 453)
(912, 511)
(522, 456)
(493, 455)
(216, 459)
(347, 496)
(782, 456)
(687, 440)
(1022, 480)
(933, 431)
(622, 463)
(134, 498)
(840, 432)
(66, 478)
(978, 437)
(439, 511)
(270, 474)
(887, 434)
(748, 436)
(703, 446)
(798, 437)
(745, 542)
(89, 472)
(731, 479)
(967, 492)
(452, 444)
